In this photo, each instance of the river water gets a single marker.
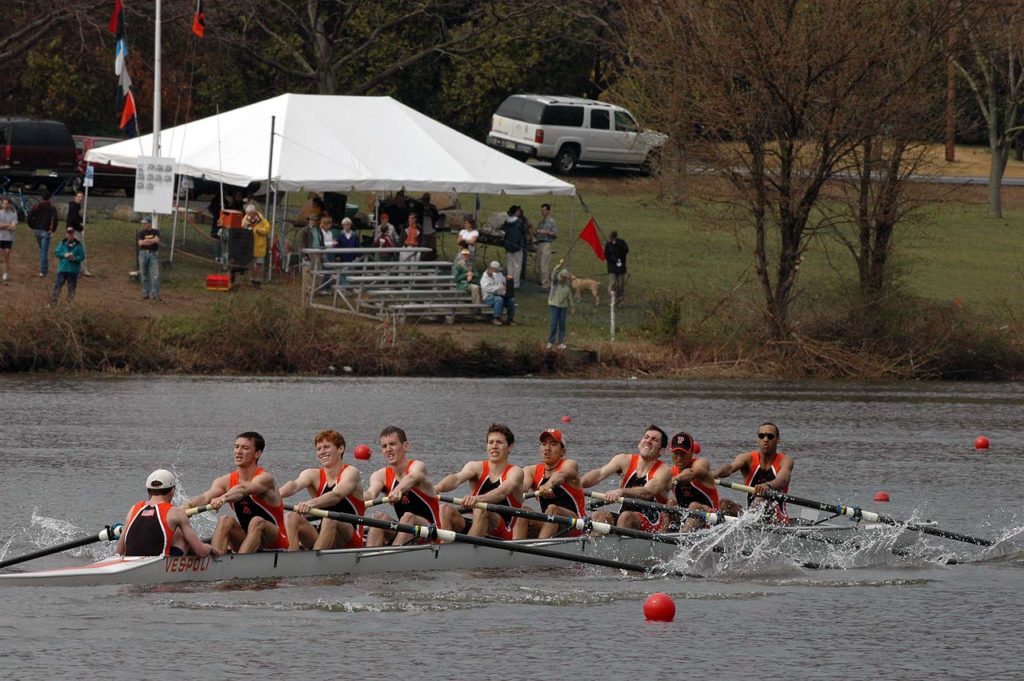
(74, 454)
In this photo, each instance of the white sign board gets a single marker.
(89, 177)
(154, 185)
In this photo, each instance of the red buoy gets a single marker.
(659, 607)
(566, 419)
(981, 442)
(881, 496)
(362, 452)
(696, 447)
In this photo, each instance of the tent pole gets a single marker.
(270, 173)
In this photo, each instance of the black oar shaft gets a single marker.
(106, 534)
(430, 533)
(712, 518)
(584, 524)
(855, 512)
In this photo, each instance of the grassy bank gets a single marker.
(693, 305)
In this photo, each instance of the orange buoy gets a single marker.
(362, 452)
(981, 442)
(881, 496)
(566, 419)
(659, 607)
(696, 447)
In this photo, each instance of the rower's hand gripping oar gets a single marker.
(108, 533)
(858, 513)
(584, 524)
(431, 532)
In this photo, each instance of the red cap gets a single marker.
(681, 442)
(555, 434)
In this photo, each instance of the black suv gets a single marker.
(36, 153)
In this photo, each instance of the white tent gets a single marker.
(336, 143)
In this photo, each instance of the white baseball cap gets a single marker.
(160, 479)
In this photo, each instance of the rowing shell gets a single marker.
(287, 564)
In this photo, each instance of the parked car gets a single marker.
(104, 176)
(572, 130)
(36, 153)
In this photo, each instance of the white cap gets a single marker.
(160, 479)
(495, 265)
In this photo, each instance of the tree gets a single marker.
(775, 96)
(991, 60)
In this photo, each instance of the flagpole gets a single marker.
(156, 97)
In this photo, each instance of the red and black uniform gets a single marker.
(504, 529)
(147, 532)
(414, 500)
(565, 496)
(249, 507)
(652, 520)
(694, 490)
(351, 504)
(758, 475)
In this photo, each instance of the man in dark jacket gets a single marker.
(76, 221)
(615, 252)
(43, 221)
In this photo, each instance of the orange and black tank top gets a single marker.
(147, 532)
(688, 492)
(486, 485)
(632, 478)
(566, 496)
(758, 475)
(351, 504)
(414, 500)
(249, 507)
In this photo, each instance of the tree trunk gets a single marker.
(996, 168)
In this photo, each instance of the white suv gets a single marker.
(571, 130)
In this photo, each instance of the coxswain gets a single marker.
(644, 476)
(494, 481)
(693, 486)
(333, 486)
(405, 485)
(766, 470)
(556, 483)
(158, 528)
(252, 493)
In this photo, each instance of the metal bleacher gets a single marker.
(371, 286)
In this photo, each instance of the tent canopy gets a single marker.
(336, 143)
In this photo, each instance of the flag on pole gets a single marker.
(125, 100)
(199, 20)
(116, 25)
(589, 234)
(128, 112)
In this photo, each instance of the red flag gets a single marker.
(589, 234)
(115, 20)
(128, 115)
(199, 20)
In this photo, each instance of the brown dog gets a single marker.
(579, 285)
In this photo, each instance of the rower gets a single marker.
(252, 493)
(405, 486)
(158, 528)
(334, 486)
(693, 486)
(643, 477)
(765, 469)
(494, 481)
(556, 481)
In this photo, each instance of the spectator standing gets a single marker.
(494, 290)
(148, 240)
(463, 275)
(559, 304)
(412, 239)
(385, 236)
(260, 229)
(8, 223)
(43, 221)
(347, 239)
(615, 252)
(515, 242)
(70, 255)
(429, 220)
(547, 232)
(76, 220)
(468, 236)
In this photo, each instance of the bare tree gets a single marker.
(991, 60)
(777, 95)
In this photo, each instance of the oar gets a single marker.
(710, 517)
(430, 533)
(583, 524)
(857, 513)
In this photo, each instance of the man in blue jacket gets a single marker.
(70, 254)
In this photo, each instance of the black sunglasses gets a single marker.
(766, 436)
